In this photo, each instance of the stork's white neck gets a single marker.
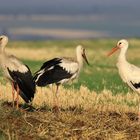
(79, 59)
(2, 48)
(122, 55)
(3, 43)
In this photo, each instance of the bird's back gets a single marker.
(57, 70)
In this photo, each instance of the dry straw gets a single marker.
(82, 98)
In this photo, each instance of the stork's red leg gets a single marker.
(139, 112)
(17, 99)
(51, 87)
(56, 96)
(13, 93)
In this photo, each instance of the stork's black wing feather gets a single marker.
(136, 85)
(25, 83)
(51, 72)
(51, 63)
(46, 66)
(54, 75)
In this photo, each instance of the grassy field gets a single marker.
(96, 106)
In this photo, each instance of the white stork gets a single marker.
(60, 70)
(129, 73)
(19, 74)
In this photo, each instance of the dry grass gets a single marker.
(33, 54)
(44, 53)
(82, 99)
(83, 115)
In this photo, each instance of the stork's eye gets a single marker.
(120, 43)
(0, 39)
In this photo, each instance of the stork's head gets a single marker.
(81, 51)
(3, 40)
(122, 44)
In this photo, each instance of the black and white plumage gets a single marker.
(60, 70)
(19, 74)
(53, 71)
(129, 73)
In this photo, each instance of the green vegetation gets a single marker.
(102, 72)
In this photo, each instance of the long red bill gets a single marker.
(113, 50)
(84, 56)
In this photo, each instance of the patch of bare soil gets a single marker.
(67, 124)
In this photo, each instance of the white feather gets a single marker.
(70, 66)
(50, 68)
(13, 64)
(39, 74)
(129, 73)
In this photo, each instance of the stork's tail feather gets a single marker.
(38, 78)
(35, 77)
(41, 82)
(41, 78)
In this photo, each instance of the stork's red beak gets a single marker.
(113, 50)
(84, 56)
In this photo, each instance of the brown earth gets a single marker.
(72, 123)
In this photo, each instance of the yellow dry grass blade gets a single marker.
(82, 98)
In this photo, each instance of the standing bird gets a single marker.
(19, 74)
(129, 73)
(60, 70)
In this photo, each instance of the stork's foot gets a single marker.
(17, 105)
(13, 104)
(55, 103)
(56, 109)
